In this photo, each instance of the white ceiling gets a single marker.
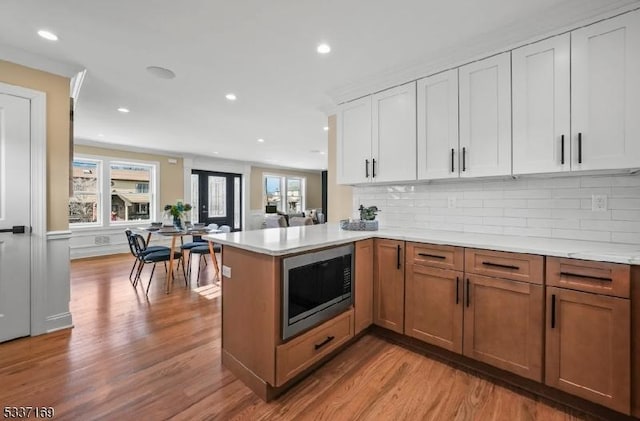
(265, 53)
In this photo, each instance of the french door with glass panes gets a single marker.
(216, 198)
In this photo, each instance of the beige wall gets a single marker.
(339, 198)
(314, 186)
(171, 175)
(57, 90)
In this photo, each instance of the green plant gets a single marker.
(178, 210)
(368, 214)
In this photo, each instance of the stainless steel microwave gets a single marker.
(315, 287)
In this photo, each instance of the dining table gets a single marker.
(175, 234)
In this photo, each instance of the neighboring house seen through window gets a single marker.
(285, 192)
(128, 186)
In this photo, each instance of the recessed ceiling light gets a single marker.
(100, 135)
(216, 152)
(231, 97)
(261, 140)
(324, 49)
(322, 152)
(123, 110)
(161, 72)
(48, 35)
(325, 128)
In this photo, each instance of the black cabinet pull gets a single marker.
(599, 278)
(452, 167)
(562, 149)
(398, 257)
(468, 294)
(435, 256)
(366, 168)
(457, 289)
(464, 159)
(323, 343)
(373, 173)
(498, 265)
(553, 311)
(579, 148)
(16, 229)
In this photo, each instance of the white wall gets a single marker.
(540, 207)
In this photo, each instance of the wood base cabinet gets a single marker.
(588, 346)
(503, 324)
(363, 288)
(433, 295)
(388, 286)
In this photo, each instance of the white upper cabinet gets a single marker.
(605, 94)
(438, 150)
(485, 117)
(354, 142)
(394, 134)
(541, 107)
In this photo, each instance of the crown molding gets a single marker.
(491, 43)
(25, 58)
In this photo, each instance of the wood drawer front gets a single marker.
(305, 350)
(501, 264)
(584, 275)
(444, 257)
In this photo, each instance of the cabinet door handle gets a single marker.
(464, 159)
(435, 256)
(562, 149)
(468, 294)
(553, 311)
(366, 168)
(579, 148)
(499, 265)
(457, 289)
(373, 166)
(398, 257)
(323, 343)
(452, 154)
(599, 278)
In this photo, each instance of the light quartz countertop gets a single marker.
(283, 241)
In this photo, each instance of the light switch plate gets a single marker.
(226, 271)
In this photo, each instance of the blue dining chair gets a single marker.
(140, 247)
(150, 249)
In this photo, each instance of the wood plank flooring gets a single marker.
(129, 357)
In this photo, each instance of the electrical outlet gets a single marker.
(599, 202)
(226, 271)
(451, 202)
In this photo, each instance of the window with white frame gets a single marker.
(112, 191)
(287, 193)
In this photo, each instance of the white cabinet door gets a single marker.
(394, 134)
(605, 94)
(485, 117)
(354, 142)
(541, 106)
(438, 126)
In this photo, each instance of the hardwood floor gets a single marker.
(133, 358)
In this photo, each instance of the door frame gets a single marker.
(38, 211)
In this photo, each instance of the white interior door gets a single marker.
(15, 248)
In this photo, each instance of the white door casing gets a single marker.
(438, 141)
(485, 117)
(15, 195)
(605, 94)
(541, 106)
(394, 134)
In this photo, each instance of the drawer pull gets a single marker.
(499, 265)
(435, 256)
(323, 343)
(599, 278)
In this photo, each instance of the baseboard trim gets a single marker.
(59, 321)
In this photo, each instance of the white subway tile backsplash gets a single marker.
(557, 207)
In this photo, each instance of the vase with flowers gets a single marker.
(177, 211)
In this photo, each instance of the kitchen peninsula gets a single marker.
(546, 310)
